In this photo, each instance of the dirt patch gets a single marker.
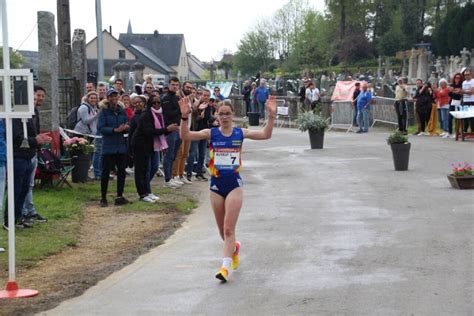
(109, 240)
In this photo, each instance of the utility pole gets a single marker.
(64, 39)
(100, 43)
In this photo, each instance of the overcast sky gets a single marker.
(209, 26)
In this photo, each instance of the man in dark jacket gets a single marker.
(24, 149)
(171, 115)
(246, 93)
(112, 125)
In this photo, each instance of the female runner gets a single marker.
(225, 162)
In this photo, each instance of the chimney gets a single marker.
(155, 33)
(110, 29)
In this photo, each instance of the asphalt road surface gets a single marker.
(332, 231)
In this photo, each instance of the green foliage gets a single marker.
(310, 121)
(455, 31)
(16, 59)
(299, 39)
(397, 138)
(254, 52)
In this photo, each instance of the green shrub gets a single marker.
(310, 121)
(397, 138)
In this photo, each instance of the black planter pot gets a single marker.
(81, 165)
(316, 138)
(401, 156)
(253, 118)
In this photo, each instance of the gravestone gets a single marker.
(451, 66)
(79, 58)
(422, 71)
(439, 66)
(465, 54)
(457, 64)
(379, 67)
(387, 74)
(404, 72)
(412, 66)
(48, 70)
(472, 58)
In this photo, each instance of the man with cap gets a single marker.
(112, 125)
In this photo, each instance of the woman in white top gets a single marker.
(468, 97)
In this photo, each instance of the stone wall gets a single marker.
(340, 112)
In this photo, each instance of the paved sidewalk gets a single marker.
(332, 231)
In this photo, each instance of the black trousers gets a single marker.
(424, 119)
(142, 162)
(450, 119)
(401, 109)
(109, 162)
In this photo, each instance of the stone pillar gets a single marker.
(48, 70)
(379, 68)
(387, 68)
(412, 65)
(79, 58)
(404, 68)
(422, 72)
(116, 69)
(137, 69)
(64, 38)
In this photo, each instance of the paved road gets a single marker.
(333, 231)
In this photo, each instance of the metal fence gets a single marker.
(69, 97)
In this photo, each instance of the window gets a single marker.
(121, 54)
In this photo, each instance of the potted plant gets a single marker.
(462, 176)
(79, 150)
(400, 150)
(315, 124)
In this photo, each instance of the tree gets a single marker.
(16, 59)
(394, 39)
(225, 65)
(455, 31)
(255, 52)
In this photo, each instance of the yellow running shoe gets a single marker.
(223, 274)
(235, 256)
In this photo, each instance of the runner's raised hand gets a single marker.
(271, 105)
(184, 106)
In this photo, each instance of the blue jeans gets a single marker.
(97, 158)
(22, 169)
(153, 166)
(3, 177)
(261, 109)
(443, 119)
(28, 209)
(197, 152)
(173, 146)
(363, 119)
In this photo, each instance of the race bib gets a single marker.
(227, 158)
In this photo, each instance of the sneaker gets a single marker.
(147, 199)
(121, 201)
(235, 256)
(185, 180)
(24, 223)
(177, 180)
(171, 185)
(103, 203)
(425, 134)
(38, 218)
(223, 274)
(446, 135)
(359, 131)
(201, 177)
(153, 197)
(129, 170)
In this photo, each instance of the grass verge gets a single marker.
(64, 209)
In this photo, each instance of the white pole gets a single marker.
(7, 101)
(100, 42)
